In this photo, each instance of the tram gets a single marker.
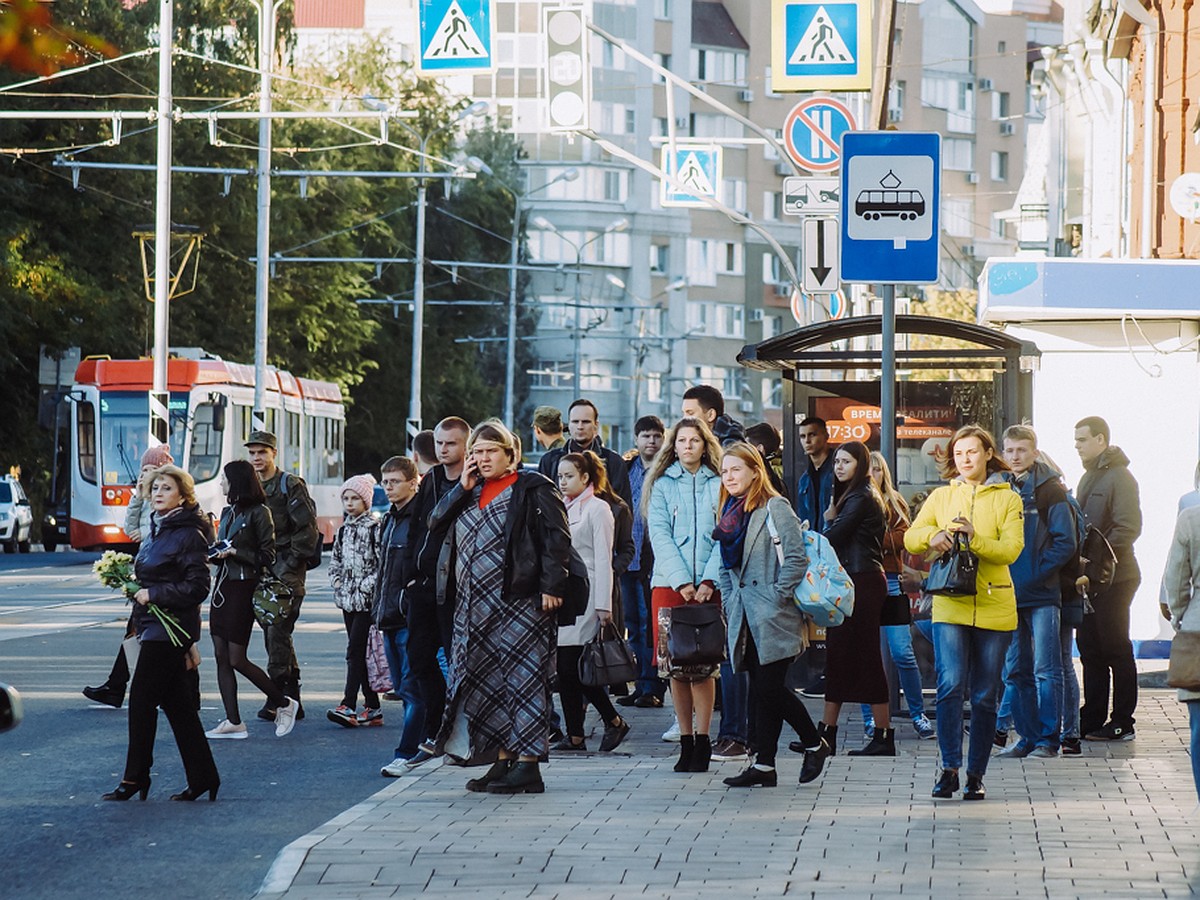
(903, 205)
(211, 404)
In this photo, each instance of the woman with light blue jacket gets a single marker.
(682, 490)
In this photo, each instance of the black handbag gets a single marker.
(607, 659)
(697, 634)
(954, 573)
(896, 611)
(576, 590)
(1099, 559)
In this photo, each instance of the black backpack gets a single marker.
(315, 559)
(1043, 498)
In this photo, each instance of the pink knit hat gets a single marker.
(157, 456)
(363, 485)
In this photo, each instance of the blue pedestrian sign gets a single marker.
(697, 169)
(812, 133)
(455, 36)
(891, 192)
(821, 45)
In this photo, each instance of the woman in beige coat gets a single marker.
(1182, 583)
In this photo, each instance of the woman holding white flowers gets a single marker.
(173, 581)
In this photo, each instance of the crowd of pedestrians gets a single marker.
(485, 581)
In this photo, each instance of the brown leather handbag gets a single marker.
(1184, 669)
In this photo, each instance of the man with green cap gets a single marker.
(296, 537)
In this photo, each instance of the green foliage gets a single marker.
(70, 272)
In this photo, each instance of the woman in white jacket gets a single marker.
(584, 483)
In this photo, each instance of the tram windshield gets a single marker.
(125, 433)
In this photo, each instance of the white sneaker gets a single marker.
(228, 730)
(396, 768)
(285, 717)
(671, 735)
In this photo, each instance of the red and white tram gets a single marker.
(211, 403)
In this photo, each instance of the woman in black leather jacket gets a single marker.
(854, 661)
(173, 575)
(512, 549)
(247, 525)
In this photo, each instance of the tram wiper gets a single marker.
(124, 457)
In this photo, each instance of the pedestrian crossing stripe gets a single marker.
(821, 43)
(455, 38)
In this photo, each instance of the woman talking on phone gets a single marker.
(512, 546)
(971, 633)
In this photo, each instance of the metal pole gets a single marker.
(887, 378)
(510, 361)
(162, 222)
(577, 366)
(414, 403)
(262, 269)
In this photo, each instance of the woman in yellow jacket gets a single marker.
(971, 634)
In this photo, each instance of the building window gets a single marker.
(1001, 47)
(551, 374)
(999, 165)
(734, 194)
(616, 185)
(1001, 105)
(722, 66)
(664, 60)
(958, 154)
(660, 126)
(630, 120)
(772, 327)
(772, 205)
(957, 217)
(896, 100)
(597, 375)
(662, 9)
(772, 392)
(730, 260)
(659, 258)
(701, 268)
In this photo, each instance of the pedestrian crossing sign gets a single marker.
(455, 37)
(821, 45)
(697, 169)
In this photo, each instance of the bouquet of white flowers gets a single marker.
(115, 570)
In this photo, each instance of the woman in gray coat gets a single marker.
(761, 548)
(1181, 582)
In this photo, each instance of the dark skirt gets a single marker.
(853, 659)
(231, 613)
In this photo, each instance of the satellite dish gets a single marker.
(1185, 196)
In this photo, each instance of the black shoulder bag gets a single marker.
(954, 573)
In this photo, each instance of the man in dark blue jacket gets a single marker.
(814, 488)
(1036, 672)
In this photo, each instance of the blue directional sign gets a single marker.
(698, 169)
(891, 192)
(821, 45)
(455, 36)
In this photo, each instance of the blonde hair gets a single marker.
(761, 490)
(666, 456)
(184, 481)
(892, 498)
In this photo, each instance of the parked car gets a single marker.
(16, 516)
(379, 501)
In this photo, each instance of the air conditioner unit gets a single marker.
(756, 315)
(972, 178)
(1007, 128)
(681, 121)
(968, 249)
(783, 289)
(985, 84)
(783, 167)
(746, 96)
(747, 406)
(895, 115)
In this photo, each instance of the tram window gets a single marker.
(205, 458)
(245, 423)
(86, 438)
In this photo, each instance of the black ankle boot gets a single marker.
(702, 754)
(522, 778)
(882, 743)
(498, 770)
(946, 785)
(687, 746)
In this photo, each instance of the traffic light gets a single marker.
(568, 87)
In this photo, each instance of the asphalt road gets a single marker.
(59, 631)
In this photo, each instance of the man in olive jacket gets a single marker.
(1108, 495)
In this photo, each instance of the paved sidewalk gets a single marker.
(1120, 821)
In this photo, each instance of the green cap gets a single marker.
(262, 438)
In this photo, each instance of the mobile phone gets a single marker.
(219, 547)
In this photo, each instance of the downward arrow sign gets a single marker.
(820, 270)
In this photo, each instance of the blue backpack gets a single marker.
(826, 595)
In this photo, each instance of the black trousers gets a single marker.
(424, 639)
(358, 628)
(572, 693)
(774, 704)
(161, 681)
(1104, 649)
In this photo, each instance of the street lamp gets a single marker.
(510, 360)
(642, 348)
(413, 426)
(615, 227)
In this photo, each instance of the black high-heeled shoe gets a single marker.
(127, 789)
(191, 793)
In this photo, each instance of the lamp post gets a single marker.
(641, 347)
(615, 227)
(413, 425)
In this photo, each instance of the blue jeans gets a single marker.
(1037, 676)
(735, 705)
(968, 660)
(900, 646)
(1070, 694)
(1194, 719)
(395, 642)
(635, 597)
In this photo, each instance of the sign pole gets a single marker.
(887, 378)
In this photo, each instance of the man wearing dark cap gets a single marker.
(296, 537)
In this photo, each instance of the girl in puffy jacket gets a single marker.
(353, 571)
(682, 491)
